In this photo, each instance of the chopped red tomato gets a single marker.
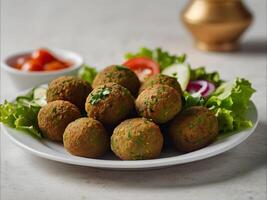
(54, 65)
(143, 67)
(21, 60)
(32, 65)
(43, 56)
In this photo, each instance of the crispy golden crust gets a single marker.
(159, 103)
(70, 89)
(193, 129)
(120, 75)
(136, 139)
(163, 80)
(55, 116)
(112, 108)
(86, 137)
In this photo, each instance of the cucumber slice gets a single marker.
(39, 96)
(39, 93)
(179, 71)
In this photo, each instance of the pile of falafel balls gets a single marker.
(123, 114)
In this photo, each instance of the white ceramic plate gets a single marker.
(55, 151)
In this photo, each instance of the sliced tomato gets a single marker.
(143, 67)
(43, 56)
(32, 65)
(54, 65)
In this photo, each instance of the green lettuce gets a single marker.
(21, 117)
(201, 74)
(21, 114)
(87, 73)
(163, 58)
(229, 103)
(192, 100)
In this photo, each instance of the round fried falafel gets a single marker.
(55, 116)
(136, 139)
(69, 88)
(193, 129)
(161, 79)
(109, 103)
(120, 75)
(159, 103)
(86, 137)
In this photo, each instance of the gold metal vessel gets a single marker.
(216, 25)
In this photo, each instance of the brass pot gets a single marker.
(216, 25)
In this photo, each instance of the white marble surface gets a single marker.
(102, 31)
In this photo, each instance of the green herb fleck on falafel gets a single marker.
(129, 134)
(99, 95)
(139, 140)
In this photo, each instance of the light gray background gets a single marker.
(102, 31)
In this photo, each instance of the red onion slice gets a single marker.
(202, 87)
(211, 88)
(199, 86)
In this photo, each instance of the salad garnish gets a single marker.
(201, 74)
(22, 113)
(87, 73)
(163, 58)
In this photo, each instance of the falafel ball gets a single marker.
(54, 117)
(136, 139)
(120, 75)
(86, 137)
(193, 129)
(109, 103)
(69, 88)
(161, 79)
(159, 103)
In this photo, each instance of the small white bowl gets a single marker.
(25, 79)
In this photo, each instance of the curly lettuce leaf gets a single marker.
(230, 104)
(21, 115)
(7, 116)
(201, 74)
(163, 58)
(87, 73)
(192, 100)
